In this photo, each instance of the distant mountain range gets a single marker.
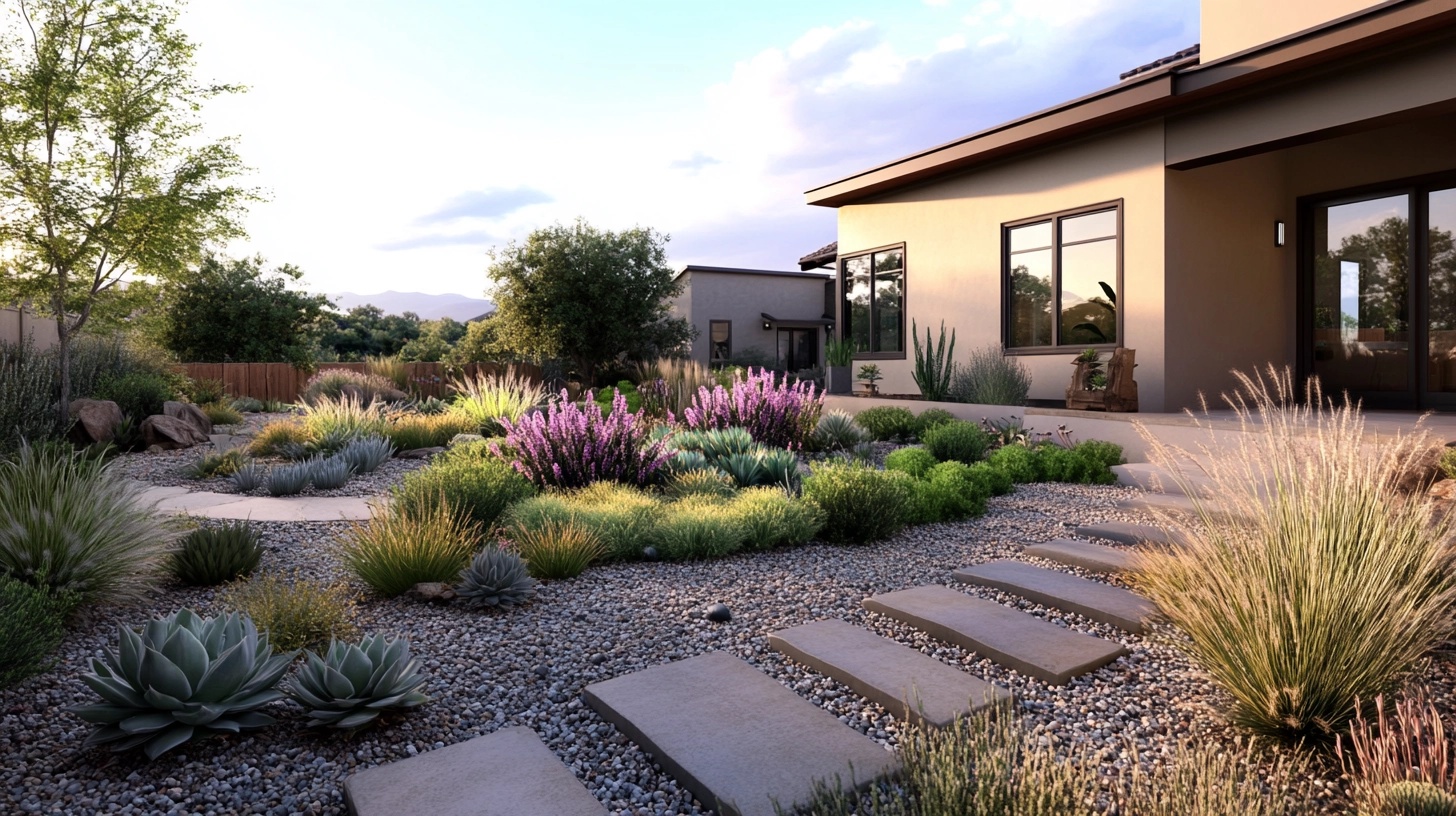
(428, 307)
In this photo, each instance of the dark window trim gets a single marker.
(839, 321)
(1056, 246)
(711, 358)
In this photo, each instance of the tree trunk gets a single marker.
(63, 336)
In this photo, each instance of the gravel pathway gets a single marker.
(529, 666)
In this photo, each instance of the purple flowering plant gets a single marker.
(773, 411)
(570, 445)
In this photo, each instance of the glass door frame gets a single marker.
(1417, 395)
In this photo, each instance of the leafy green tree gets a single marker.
(231, 310)
(587, 295)
(481, 344)
(366, 331)
(436, 339)
(103, 166)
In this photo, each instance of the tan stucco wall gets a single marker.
(952, 234)
(1231, 26)
(742, 299)
(15, 324)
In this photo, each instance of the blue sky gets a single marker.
(397, 143)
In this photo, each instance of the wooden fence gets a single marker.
(283, 383)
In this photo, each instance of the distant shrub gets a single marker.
(699, 527)
(205, 391)
(414, 431)
(478, 487)
(213, 555)
(1018, 462)
(489, 398)
(627, 389)
(247, 405)
(930, 418)
(139, 394)
(277, 435)
(915, 461)
(861, 504)
(216, 464)
(572, 446)
(836, 431)
(624, 519)
(1447, 463)
(957, 441)
(32, 624)
(773, 411)
(989, 377)
(556, 550)
(341, 384)
(295, 612)
(770, 518)
(887, 423)
(220, 413)
(28, 399)
(389, 367)
(401, 546)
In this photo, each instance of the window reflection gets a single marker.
(1070, 261)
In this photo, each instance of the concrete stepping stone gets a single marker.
(1125, 532)
(1060, 590)
(509, 772)
(1074, 552)
(896, 676)
(735, 737)
(1150, 477)
(1030, 645)
(1165, 502)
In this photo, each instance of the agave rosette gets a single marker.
(352, 684)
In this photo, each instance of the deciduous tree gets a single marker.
(234, 310)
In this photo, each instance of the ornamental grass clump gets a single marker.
(555, 549)
(347, 417)
(414, 431)
(625, 519)
(336, 384)
(699, 527)
(570, 445)
(400, 547)
(480, 487)
(1305, 582)
(773, 411)
(771, 518)
(32, 624)
(487, 399)
(669, 384)
(295, 612)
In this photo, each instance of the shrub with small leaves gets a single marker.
(247, 405)
(915, 461)
(886, 423)
(623, 518)
(470, 481)
(214, 555)
(700, 482)
(294, 612)
(993, 480)
(367, 454)
(557, 550)
(217, 464)
(1017, 462)
(931, 418)
(948, 492)
(957, 441)
(861, 504)
(699, 527)
(351, 685)
(249, 477)
(771, 518)
(329, 474)
(837, 431)
(288, 480)
(497, 579)
(32, 624)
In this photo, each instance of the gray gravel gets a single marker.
(529, 666)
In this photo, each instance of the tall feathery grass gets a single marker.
(398, 547)
(489, 398)
(1305, 582)
(348, 415)
(389, 367)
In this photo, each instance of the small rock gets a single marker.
(718, 613)
(649, 553)
(420, 453)
(433, 591)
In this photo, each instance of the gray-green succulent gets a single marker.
(180, 677)
(495, 578)
(352, 684)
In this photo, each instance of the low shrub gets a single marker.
(139, 394)
(957, 441)
(342, 384)
(629, 393)
(28, 400)
(220, 413)
(215, 555)
(1076, 465)
(774, 411)
(915, 461)
(700, 482)
(247, 405)
(931, 418)
(345, 417)
(478, 487)
(836, 431)
(861, 504)
(216, 464)
(489, 398)
(1447, 463)
(623, 518)
(989, 377)
(276, 436)
(993, 480)
(948, 492)
(351, 685)
(497, 579)
(294, 612)
(699, 527)
(32, 624)
(771, 518)
(67, 523)
(557, 550)
(1017, 462)
(205, 391)
(572, 446)
(886, 423)
(414, 431)
(402, 546)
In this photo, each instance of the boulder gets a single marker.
(97, 419)
(433, 592)
(170, 433)
(189, 413)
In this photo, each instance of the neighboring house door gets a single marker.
(1380, 294)
(798, 349)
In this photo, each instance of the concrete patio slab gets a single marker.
(1060, 590)
(506, 773)
(1125, 532)
(904, 681)
(734, 736)
(1030, 645)
(1075, 552)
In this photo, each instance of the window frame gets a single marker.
(711, 358)
(1055, 218)
(840, 321)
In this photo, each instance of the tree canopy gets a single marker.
(366, 331)
(231, 310)
(587, 295)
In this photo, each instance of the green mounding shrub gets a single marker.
(95, 359)
(32, 624)
(1447, 463)
(836, 431)
(489, 398)
(914, 461)
(68, 523)
(478, 487)
(886, 423)
(1309, 584)
(216, 464)
(623, 518)
(989, 377)
(415, 431)
(215, 555)
(604, 397)
(342, 384)
(139, 394)
(771, 518)
(993, 480)
(1107, 454)
(699, 527)
(1076, 465)
(495, 579)
(957, 441)
(220, 413)
(949, 491)
(294, 612)
(347, 415)
(557, 550)
(403, 545)
(181, 677)
(28, 398)
(247, 405)
(711, 482)
(861, 504)
(931, 418)
(351, 685)
(1017, 462)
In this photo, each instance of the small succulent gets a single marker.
(837, 431)
(249, 477)
(351, 685)
(685, 461)
(212, 555)
(331, 473)
(714, 443)
(179, 677)
(1416, 799)
(763, 466)
(288, 480)
(496, 578)
(367, 454)
(217, 464)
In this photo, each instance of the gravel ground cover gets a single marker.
(529, 666)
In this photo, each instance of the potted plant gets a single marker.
(869, 374)
(838, 357)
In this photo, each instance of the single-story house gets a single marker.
(1284, 193)
(763, 317)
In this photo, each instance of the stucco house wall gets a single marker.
(742, 297)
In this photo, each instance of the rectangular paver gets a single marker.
(505, 773)
(1152, 478)
(1060, 590)
(1030, 645)
(1076, 552)
(886, 672)
(734, 736)
(1125, 532)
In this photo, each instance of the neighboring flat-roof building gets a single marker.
(759, 316)
(1284, 193)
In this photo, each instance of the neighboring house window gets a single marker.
(874, 301)
(1073, 260)
(720, 335)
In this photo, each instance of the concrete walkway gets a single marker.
(180, 501)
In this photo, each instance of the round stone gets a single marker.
(649, 553)
(718, 613)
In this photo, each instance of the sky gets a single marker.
(397, 143)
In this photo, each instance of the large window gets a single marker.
(720, 337)
(874, 301)
(1063, 277)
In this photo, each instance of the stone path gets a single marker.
(1094, 599)
(201, 504)
(1075, 552)
(1124, 532)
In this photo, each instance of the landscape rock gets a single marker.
(171, 433)
(718, 613)
(433, 592)
(420, 453)
(97, 419)
(1420, 471)
(189, 413)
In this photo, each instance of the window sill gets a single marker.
(1043, 351)
(880, 355)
